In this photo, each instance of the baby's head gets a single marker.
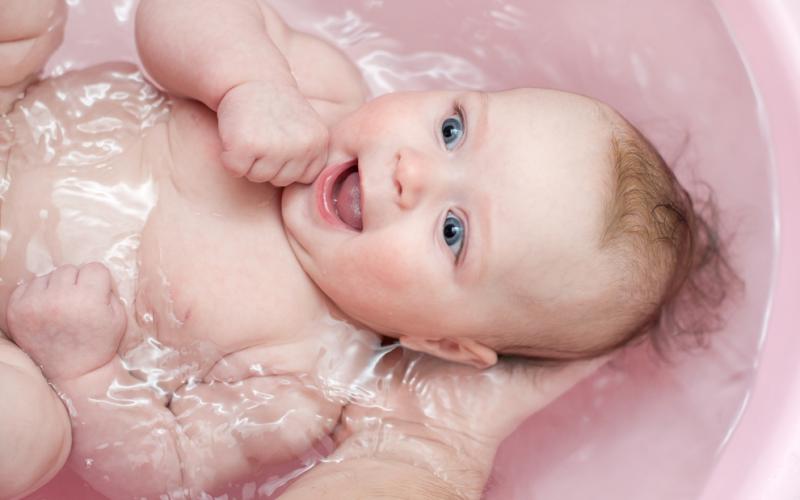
(530, 222)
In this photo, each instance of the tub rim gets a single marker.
(761, 458)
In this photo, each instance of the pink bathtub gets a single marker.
(762, 459)
(716, 85)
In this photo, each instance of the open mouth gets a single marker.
(346, 197)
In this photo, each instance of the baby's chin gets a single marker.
(292, 209)
(295, 216)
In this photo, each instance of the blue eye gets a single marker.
(452, 131)
(453, 231)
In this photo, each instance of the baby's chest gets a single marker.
(221, 276)
(226, 300)
(73, 186)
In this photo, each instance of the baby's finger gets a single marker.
(263, 170)
(28, 291)
(19, 292)
(63, 276)
(95, 277)
(290, 173)
(118, 310)
(314, 168)
(237, 162)
(37, 284)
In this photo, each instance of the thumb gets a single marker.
(549, 383)
(535, 387)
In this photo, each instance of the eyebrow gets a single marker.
(482, 120)
(478, 244)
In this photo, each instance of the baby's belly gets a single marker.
(93, 173)
(75, 187)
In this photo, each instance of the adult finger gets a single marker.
(551, 382)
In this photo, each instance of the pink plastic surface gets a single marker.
(762, 460)
(715, 85)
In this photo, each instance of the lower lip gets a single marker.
(324, 193)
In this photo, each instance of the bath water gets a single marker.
(640, 428)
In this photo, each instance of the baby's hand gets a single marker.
(69, 321)
(270, 133)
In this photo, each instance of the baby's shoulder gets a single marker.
(329, 80)
(325, 75)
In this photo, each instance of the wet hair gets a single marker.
(676, 272)
(673, 275)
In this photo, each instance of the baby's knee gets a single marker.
(34, 428)
(21, 19)
(30, 30)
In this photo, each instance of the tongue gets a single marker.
(348, 203)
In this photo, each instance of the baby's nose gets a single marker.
(413, 175)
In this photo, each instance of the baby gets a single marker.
(529, 223)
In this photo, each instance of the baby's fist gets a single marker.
(270, 133)
(69, 321)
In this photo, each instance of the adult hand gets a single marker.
(270, 133)
(450, 418)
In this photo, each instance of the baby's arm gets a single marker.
(204, 48)
(275, 90)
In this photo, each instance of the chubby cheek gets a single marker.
(296, 207)
(377, 121)
(375, 283)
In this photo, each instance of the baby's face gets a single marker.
(459, 215)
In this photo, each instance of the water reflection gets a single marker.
(660, 63)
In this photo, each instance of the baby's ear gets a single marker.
(466, 351)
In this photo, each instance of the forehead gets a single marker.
(547, 179)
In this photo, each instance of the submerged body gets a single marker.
(134, 182)
(464, 224)
(219, 359)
